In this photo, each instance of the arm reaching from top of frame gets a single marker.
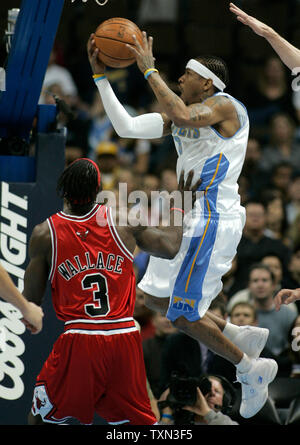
(289, 54)
(286, 296)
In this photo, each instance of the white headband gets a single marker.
(206, 73)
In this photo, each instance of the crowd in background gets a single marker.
(268, 257)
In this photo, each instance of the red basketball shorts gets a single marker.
(87, 373)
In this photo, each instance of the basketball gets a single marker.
(111, 38)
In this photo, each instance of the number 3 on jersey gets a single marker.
(100, 295)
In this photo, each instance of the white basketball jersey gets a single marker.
(216, 159)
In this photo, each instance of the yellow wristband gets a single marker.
(150, 71)
(95, 76)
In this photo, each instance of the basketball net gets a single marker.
(97, 1)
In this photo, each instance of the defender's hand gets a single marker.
(258, 27)
(286, 296)
(185, 186)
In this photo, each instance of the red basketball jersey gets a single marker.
(92, 277)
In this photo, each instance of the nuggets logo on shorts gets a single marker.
(183, 304)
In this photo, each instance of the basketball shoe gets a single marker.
(251, 340)
(255, 385)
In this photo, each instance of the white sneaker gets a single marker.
(251, 340)
(255, 385)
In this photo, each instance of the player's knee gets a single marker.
(181, 323)
(157, 304)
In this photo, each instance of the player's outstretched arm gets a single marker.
(288, 53)
(33, 315)
(286, 296)
(145, 126)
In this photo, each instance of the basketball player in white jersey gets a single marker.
(210, 130)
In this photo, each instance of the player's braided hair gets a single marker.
(79, 183)
(217, 66)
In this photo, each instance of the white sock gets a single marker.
(230, 331)
(244, 365)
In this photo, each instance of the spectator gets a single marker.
(163, 153)
(252, 167)
(269, 95)
(134, 153)
(152, 348)
(101, 128)
(276, 220)
(57, 74)
(72, 115)
(280, 179)
(73, 151)
(261, 293)
(283, 146)
(243, 314)
(253, 156)
(108, 163)
(274, 263)
(254, 245)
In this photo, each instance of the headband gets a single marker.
(206, 73)
(94, 164)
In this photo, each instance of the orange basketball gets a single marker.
(111, 38)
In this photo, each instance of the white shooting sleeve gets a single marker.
(146, 126)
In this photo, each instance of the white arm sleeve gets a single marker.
(146, 126)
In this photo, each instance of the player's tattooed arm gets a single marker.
(214, 110)
(171, 104)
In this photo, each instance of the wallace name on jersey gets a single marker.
(70, 267)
